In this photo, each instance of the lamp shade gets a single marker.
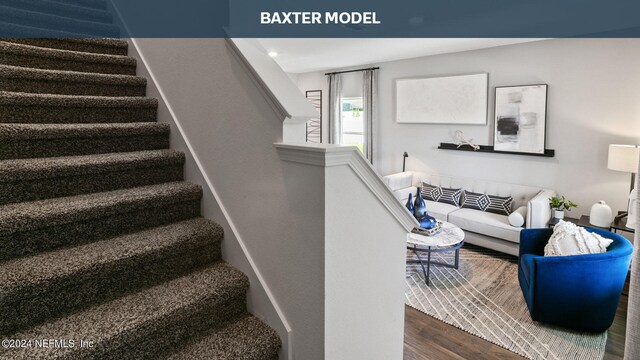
(624, 158)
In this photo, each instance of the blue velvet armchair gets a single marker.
(577, 292)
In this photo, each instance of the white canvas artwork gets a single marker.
(520, 121)
(459, 99)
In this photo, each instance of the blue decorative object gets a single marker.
(419, 207)
(427, 222)
(409, 203)
(579, 292)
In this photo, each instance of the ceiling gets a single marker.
(306, 55)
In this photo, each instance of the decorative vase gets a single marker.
(427, 222)
(419, 207)
(600, 214)
(558, 214)
(632, 217)
(409, 203)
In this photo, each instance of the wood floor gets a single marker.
(426, 338)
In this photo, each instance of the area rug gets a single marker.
(483, 298)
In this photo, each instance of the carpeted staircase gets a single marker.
(101, 240)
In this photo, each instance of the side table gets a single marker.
(616, 225)
(621, 224)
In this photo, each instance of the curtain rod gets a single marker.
(348, 71)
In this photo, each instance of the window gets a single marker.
(352, 122)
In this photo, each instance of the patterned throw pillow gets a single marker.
(441, 194)
(430, 192)
(499, 204)
(475, 201)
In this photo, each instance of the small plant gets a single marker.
(561, 204)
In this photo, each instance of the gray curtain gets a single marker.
(370, 105)
(335, 110)
(632, 341)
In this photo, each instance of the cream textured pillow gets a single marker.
(570, 239)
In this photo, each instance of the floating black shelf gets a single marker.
(489, 149)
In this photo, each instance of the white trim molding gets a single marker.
(328, 155)
(281, 93)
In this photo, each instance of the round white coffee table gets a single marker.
(449, 238)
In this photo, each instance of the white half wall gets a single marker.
(594, 101)
(365, 254)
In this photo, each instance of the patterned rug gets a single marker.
(483, 298)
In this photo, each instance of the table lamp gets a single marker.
(624, 158)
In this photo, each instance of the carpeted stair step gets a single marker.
(52, 284)
(94, 4)
(44, 178)
(40, 287)
(39, 81)
(62, 9)
(57, 23)
(20, 141)
(54, 59)
(32, 227)
(103, 46)
(247, 338)
(18, 107)
(148, 324)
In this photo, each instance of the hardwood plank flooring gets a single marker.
(426, 338)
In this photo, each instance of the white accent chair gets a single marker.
(481, 228)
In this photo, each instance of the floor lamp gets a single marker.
(624, 158)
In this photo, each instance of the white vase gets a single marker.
(558, 214)
(600, 215)
(632, 217)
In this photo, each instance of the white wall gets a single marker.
(364, 273)
(364, 254)
(231, 128)
(594, 100)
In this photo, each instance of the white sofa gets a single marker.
(481, 228)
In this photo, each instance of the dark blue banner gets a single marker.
(320, 18)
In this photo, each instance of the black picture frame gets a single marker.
(520, 118)
(314, 126)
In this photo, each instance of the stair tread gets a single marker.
(247, 338)
(111, 321)
(30, 50)
(31, 272)
(29, 99)
(17, 72)
(32, 215)
(41, 168)
(58, 131)
(63, 9)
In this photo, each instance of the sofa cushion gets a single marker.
(486, 223)
(517, 218)
(520, 194)
(475, 201)
(439, 210)
(399, 181)
(403, 194)
(500, 204)
(441, 194)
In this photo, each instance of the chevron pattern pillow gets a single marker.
(500, 204)
(475, 201)
(441, 194)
